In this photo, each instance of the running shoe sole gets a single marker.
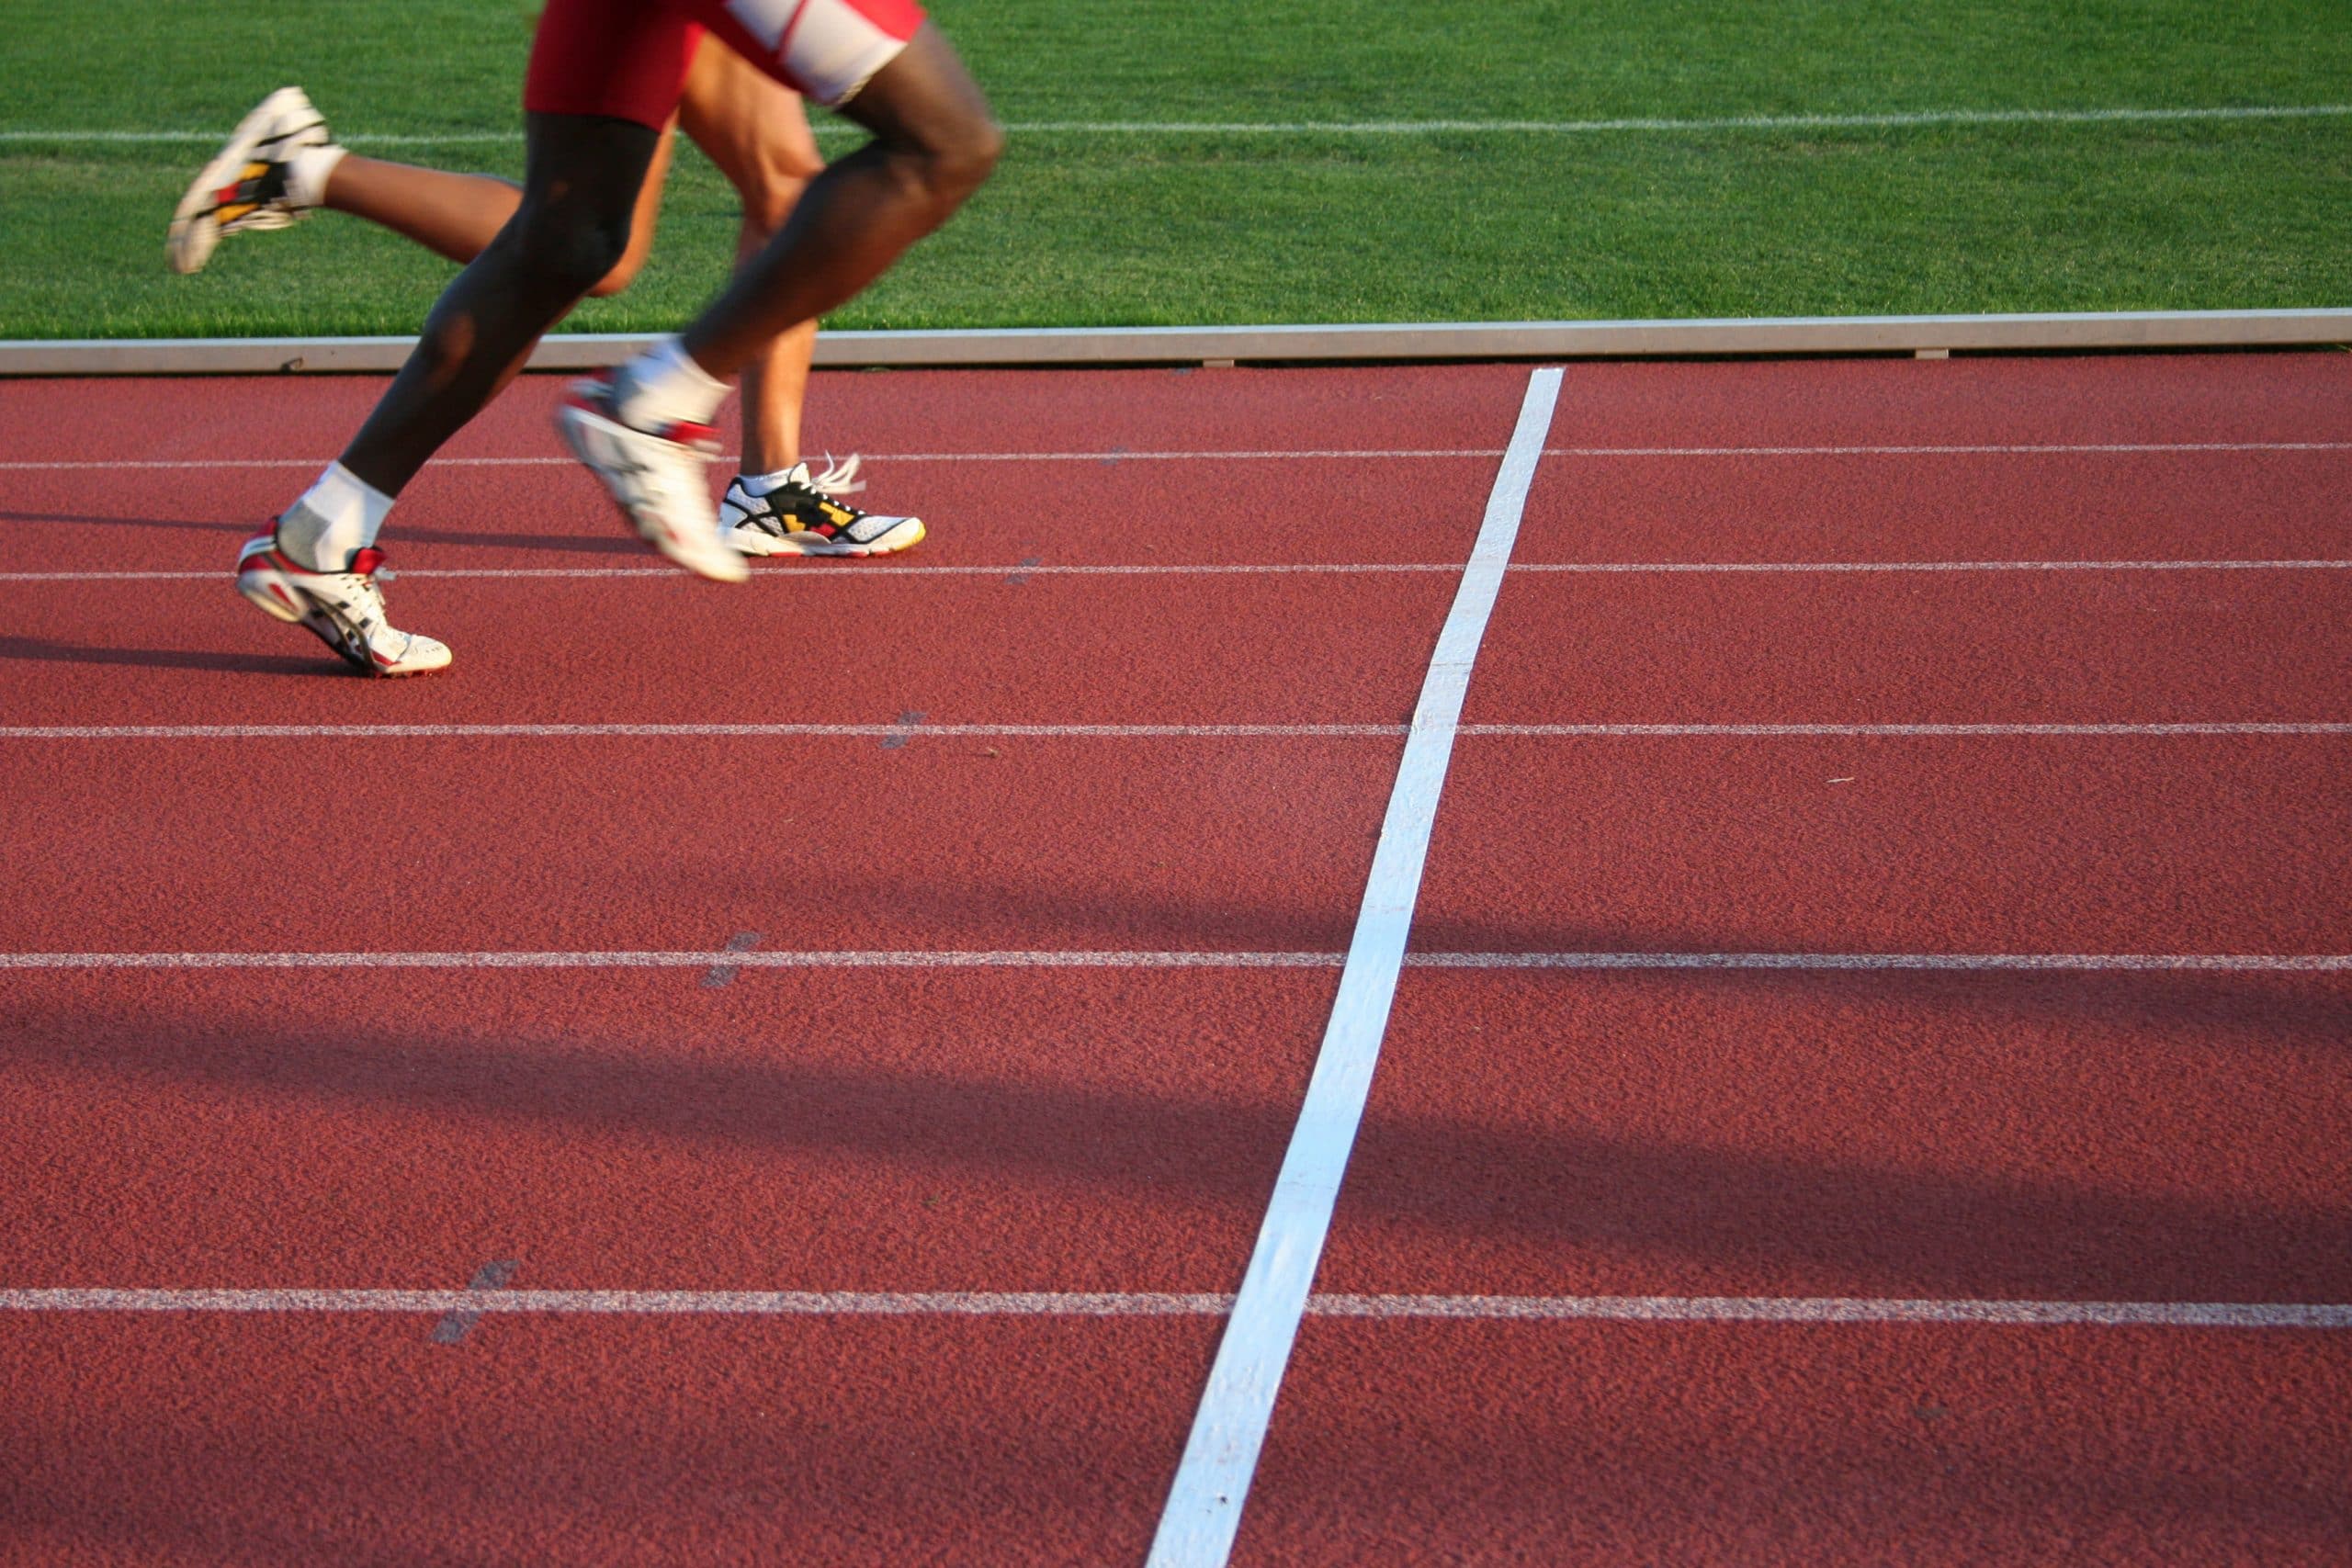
(752, 541)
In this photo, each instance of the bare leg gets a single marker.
(933, 143)
(458, 215)
(583, 178)
(775, 388)
(757, 134)
(455, 215)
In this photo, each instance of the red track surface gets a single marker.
(2151, 1136)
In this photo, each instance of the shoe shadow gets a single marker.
(44, 650)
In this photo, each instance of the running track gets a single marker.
(806, 1082)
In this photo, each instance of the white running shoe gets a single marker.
(804, 516)
(345, 608)
(655, 475)
(244, 189)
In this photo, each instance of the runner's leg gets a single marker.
(458, 215)
(583, 177)
(935, 141)
(756, 131)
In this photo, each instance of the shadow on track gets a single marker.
(45, 650)
(572, 544)
(1572, 1206)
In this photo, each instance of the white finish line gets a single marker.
(1052, 1303)
(1204, 1510)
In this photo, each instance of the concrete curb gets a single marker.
(1928, 335)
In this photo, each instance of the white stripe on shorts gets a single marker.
(828, 48)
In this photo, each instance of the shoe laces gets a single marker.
(838, 478)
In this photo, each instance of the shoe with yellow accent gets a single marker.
(244, 190)
(800, 513)
(343, 609)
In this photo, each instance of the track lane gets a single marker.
(1933, 506)
(210, 1440)
(165, 418)
(458, 844)
(1247, 648)
(2050, 1137)
(1630, 1444)
(2168, 844)
(868, 1130)
(550, 516)
(1973, 399)
(2076, 646)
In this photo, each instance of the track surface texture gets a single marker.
(797, 1072)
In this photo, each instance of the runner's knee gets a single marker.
(576, 251)
(952, 156)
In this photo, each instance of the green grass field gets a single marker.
(1092, 226)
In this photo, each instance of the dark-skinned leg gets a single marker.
(643, 426)
(935, 141)
(581, 176)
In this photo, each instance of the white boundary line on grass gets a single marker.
(1862, 963)
(1437, 731)
(1212, 1482)
(2103, 448)
(1071, 1304)
(1645, 125)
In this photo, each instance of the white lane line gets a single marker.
(1126, 732)
(657, 959)
(1736, 568)
(1567, 732)
(954, 958)
(1108, 459)
(1645, 125)
(1841, 1309)
(1212, 1482)
(668, 731)
(1055, 1304)
(867, 570)
(2187, 963)
(837, 568)
(1349, 453)
(2074, 448)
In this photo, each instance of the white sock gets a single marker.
(337, 517)
(307, 172)
(767, 484)
(663, 387)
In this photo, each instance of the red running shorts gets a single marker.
(628, 58)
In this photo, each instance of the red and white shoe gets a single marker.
(655, 475)
(346, 609)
